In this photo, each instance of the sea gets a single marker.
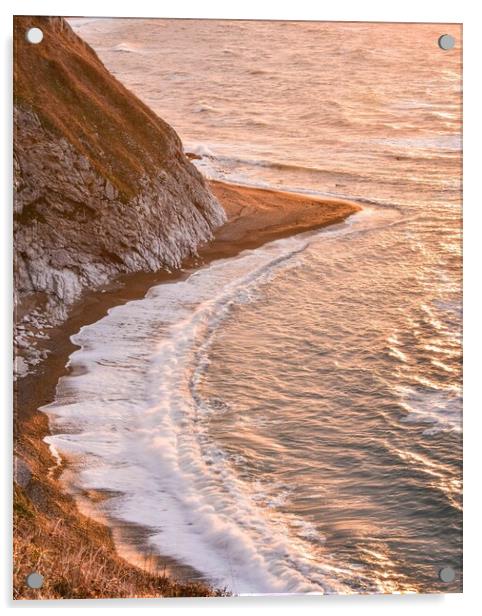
(289, 420)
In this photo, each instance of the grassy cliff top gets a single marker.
(63, 81)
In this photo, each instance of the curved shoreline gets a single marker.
(255, 216)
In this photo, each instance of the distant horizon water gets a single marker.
(290, 419)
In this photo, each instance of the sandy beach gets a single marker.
(258, 215)
(255, 216)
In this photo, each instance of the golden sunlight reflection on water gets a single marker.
(328, 402)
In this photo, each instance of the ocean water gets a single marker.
(290, 420)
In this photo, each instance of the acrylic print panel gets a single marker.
(238, 308)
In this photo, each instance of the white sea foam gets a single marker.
(201, 149)
(440, 408)
(126, 47)
(129, 420)
(204, 107)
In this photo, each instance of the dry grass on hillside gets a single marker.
(75, 567)
(65, 83)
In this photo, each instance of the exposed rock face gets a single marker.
(102, 186)
(21, 472)
(73, 231)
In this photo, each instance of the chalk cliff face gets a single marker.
(101, 184)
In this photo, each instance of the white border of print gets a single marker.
(461, 11)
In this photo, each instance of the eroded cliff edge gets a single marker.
(101, 184)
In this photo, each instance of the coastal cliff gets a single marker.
(101, 184)
(102, 188)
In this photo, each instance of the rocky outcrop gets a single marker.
(101, 185)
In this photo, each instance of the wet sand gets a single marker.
(255, 216)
